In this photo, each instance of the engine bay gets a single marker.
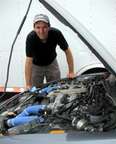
(84, 103)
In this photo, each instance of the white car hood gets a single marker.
(88, 38)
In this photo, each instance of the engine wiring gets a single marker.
(80, 104)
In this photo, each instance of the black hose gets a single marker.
(9, 61)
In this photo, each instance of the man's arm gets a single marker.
(70, 62)
(28, 72)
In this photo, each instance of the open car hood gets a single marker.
(92, 43)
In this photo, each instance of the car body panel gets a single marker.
(73, 138)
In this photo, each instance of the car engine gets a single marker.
(80, 104)
(84, 104)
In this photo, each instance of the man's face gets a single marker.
(41, 29)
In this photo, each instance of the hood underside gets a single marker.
(89, 39)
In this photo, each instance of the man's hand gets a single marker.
(27, 87)
(71, 75)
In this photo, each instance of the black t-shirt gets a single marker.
(44, 53)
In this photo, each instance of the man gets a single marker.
(41, 53)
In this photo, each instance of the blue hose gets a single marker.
(29, 114)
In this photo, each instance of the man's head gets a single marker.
(41, 26)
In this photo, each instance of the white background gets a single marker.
(98, 16)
